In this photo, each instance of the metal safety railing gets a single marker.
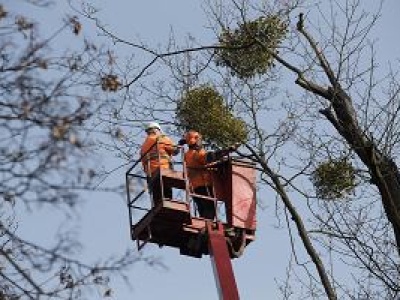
(140, 195)
(138, 185)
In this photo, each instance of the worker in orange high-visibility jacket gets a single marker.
(156, 152)
(200, 180)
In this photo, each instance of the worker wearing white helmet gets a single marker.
(156, 152)
(153, 125)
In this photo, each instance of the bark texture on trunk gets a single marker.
(341, 113)
(383, 170)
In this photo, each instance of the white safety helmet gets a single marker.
(153, 125)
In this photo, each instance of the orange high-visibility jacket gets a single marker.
(157, 151)
(195, 163)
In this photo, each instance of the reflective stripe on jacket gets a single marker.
(158, 150)
(195, 164)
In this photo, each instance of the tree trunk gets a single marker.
(383, 170)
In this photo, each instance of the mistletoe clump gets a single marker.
(250, 49)
(203, 109)
(334, 179)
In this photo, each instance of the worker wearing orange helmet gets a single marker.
(200, 179)
(156, 152)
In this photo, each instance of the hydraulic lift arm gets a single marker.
(221, 261)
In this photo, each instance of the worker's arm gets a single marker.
(218, 154)
(202, 157)
(170, 147)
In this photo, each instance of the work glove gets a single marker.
(223, 152)
(233, 147)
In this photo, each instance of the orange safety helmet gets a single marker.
(192, 138)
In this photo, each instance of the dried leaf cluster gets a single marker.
(110, 83)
